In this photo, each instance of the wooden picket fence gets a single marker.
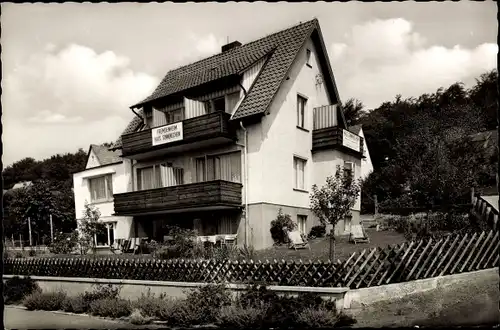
(421, 259)
(371, 267)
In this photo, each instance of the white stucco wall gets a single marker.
(272, 170)
(366, 163)
(121, 183)
(92, 160)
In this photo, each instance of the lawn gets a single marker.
(320, 247)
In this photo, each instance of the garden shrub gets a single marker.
(255, 296)
(138, 318)
(47, 301)
(207, 301)
(182, 245)
(76, 304)
(151, 306)
(317, 231)
(64, 243)
(278, 226)
(17, 288)
(179, 313)
(101, 292)
(281, 311)
(32, 253)
(237, 317)
(111, 307)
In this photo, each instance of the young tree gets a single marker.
(333, 202)
(89, 227)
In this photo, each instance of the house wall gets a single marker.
(366, 163)
(121, 179)
(271, 149)
(92, 160)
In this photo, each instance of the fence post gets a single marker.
(376, 205)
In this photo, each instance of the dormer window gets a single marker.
(308, 58)
(219, 104)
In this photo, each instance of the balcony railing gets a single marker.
(211, 194)
(337, 138)
(203, 128)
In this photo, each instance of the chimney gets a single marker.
(230, 46)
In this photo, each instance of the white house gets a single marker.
(104, 175)
(223, 143)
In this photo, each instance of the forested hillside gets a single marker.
(420, 147)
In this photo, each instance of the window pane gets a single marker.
(145, 178)
(97, 189)
(200, 169)
(220, 104)
(109, 185)
(232, 100)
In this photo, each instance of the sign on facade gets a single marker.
(351, 140)
(167, 134)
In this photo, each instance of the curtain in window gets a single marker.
(173, 176)
(225, 225)
(200, 169)
(109, 185)
(159, 118)
(145, 178)
(299, 165)
(97, 189)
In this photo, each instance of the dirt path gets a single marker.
(473, 304)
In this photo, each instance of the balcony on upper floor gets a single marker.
(327, 135)
(199, 196)
(194, 133)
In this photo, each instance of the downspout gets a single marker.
(245, 151)
(245, 156)
(136, 114)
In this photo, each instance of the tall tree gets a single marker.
(353, 110)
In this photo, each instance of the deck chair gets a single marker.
(229, 240)
(297, 241)
(358, 234)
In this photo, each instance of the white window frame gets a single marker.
(301, 112)
(352, 168)
(296, 161)
(308, 58)
(109, 226)
(108, 192)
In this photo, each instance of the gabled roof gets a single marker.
(104, 155)
(132, 126)
(281, 48)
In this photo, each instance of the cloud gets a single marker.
(60, 92)
(382, 58)
(207, 45)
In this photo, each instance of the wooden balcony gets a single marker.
(210, 195)
(197, 132)
(337, 138)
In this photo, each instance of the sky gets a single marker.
(71, 71)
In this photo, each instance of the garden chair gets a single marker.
(358, 234)
(116, 246)
(229, 240)
(297, 240)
